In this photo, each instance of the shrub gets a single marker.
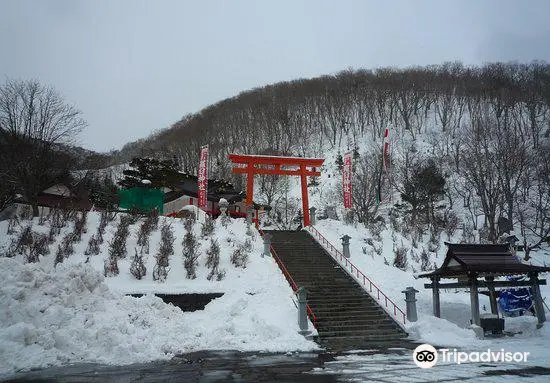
(68, 215)
(38, 246)
(145, 230)
(24, 240)
(110, 266)
(105, 218)
(52, 233)
(43, 218)
(188, 224)
(79, 227)
(190, 254)
(166, 248)
(67, 245)
(93, 246)
(376, 228)
(207, 227)
(59, 257)
(213, 261)
(239, 257)
(133, 215)
(137, 268)
(56, 220)
(414, 256)
(13, 223)
(117, 246)
(424, 260)
(400, 259)
(99, 236)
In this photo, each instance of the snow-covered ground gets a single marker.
(71, 313)
(374, 257)
(453, 329)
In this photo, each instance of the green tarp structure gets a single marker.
(144, 199)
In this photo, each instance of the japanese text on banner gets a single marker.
(203, 178)
(347, 180)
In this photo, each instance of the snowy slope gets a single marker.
(374, 255)
(71, 313)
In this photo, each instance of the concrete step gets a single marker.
(348, 303)
(379, 328)
(365, 320)
(371, 334)
(347, 316)
(331, 312)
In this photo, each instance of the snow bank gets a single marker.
(69, 315)
(452, 329)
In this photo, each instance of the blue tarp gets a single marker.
(515, 300)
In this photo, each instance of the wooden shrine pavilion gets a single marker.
(476, 266)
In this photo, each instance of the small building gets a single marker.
(478, 266)
(59, 196)
(186, 193)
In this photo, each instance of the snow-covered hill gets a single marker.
(72, 313)
(373, 249)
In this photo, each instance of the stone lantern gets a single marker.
(345, 245)
(223, 205)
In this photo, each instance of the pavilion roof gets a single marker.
(482, 259)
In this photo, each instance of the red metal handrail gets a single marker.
(290, 280)
(355, 272)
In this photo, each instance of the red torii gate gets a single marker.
(293, 166)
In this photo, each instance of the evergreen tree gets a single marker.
(137, 268)
(340, 161)
(423, 188)
(160, 173)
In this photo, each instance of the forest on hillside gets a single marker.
(487, 129)
(308, 116)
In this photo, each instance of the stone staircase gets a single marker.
(347, 317)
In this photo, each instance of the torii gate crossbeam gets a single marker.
(291, 166)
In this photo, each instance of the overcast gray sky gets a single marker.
(133, 67)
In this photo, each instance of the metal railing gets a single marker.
(358, 275)
(290, 280)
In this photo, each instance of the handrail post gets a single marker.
(302, 311)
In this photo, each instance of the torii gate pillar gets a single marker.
(293, 166)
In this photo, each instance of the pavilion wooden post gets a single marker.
(492, 294)
(474, 299)
(435, 297)
(539, 307)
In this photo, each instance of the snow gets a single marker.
(369, 253)
(199, 213)
(71, 313)
(453, 329)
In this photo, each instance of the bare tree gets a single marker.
(479, 169)
(533, 204)
(34, 122)
(366, 173)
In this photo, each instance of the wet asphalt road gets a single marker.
(377, 365)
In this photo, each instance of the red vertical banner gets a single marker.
(346, 181)
(386, 149)
(203, 178)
